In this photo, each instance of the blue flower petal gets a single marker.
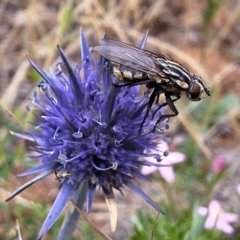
(139, 191)
(36, 170)
(29, 183)
(23, 136)
(85, 53)
(39, 70)
(71, 73)
(108, 105)
(90, 196)
(57, 208)
(143, 41)
(141, 45)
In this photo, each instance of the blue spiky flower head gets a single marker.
(87, 132)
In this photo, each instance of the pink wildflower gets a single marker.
(219, 164)
(217, 218)
(238, 188)
(166, 172)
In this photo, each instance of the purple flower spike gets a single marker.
(87, 131)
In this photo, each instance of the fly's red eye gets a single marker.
(195, 92)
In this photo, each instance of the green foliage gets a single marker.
(65, 17)
(222, 107)
(7, 152)
(215, 112)
(88, 232)
(210, 12)
(34, 76)
(185, 224)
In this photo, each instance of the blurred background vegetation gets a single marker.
(202, 35)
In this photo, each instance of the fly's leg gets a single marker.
(170, 103)
(164, 104)
(157, 98)
(150, 103)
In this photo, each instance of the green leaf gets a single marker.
(196, 226)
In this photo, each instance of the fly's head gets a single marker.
(196, 89)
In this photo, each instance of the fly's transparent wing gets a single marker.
(129, 56)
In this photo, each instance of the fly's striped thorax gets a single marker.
(176, 72)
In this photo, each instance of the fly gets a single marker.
(135, 66)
